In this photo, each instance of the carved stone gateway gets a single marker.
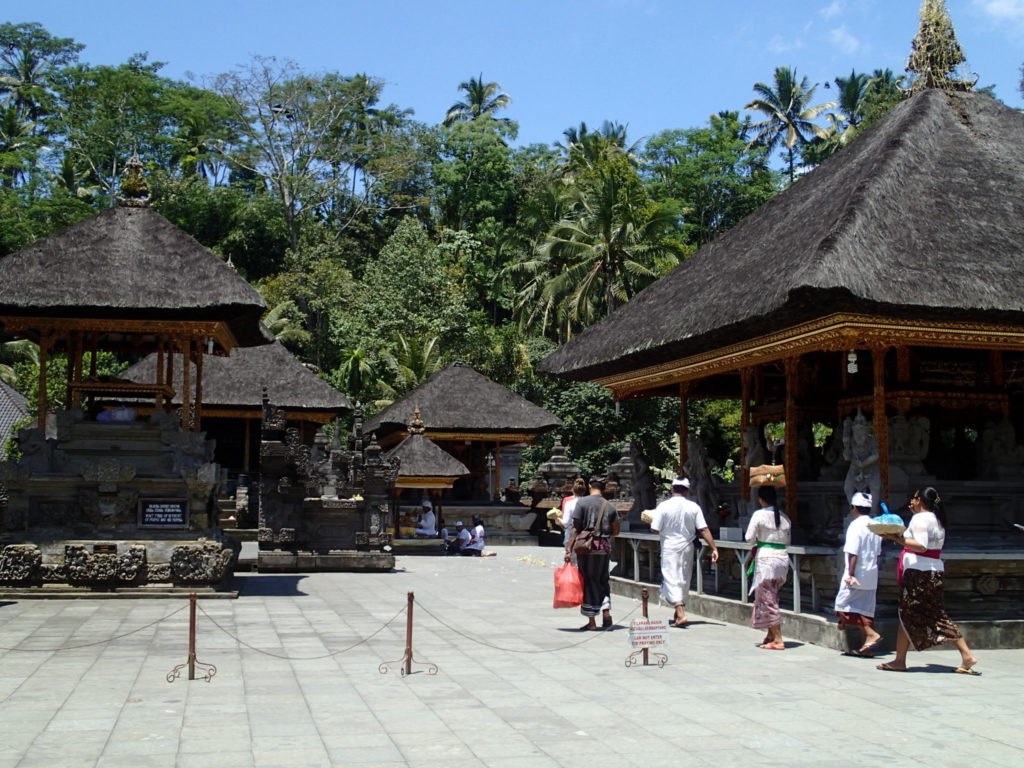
(106, 506)
(323, 508)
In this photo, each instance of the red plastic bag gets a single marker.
(568, 586)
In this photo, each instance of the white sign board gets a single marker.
(648, 633)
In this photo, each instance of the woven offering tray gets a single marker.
(646, 516)
(881, 528)
(554, 514)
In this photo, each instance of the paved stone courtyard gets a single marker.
(517, 685)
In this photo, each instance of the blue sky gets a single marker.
(652, 64)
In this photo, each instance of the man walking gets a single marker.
(678, 521)
(855, 601)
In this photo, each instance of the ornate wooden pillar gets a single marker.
(46, 342)
(198, 411)
(791, 366)
(746, 378)
(186, 383)
(881, 423)
(684, 428)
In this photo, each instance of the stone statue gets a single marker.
(861, 449)
(908, 443)
(753, 440)
(1000, 455)
(703, 488)
(835, 464)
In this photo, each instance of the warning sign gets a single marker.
(648, 633)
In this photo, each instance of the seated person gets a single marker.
(462, 539)
(475, 548)
(428, 523)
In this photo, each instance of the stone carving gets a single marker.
(835, 465)
(202, 563)
(53, 573)
(558, 471)
(908, 443)
(36, 450)
(107, 510)
(201, 482)
(86, 568)
(621, 472)
(191, 449)
(703, 488)
(753, 441)
(1000, 456)
(20, 564)
(158, 572)
(861, 449)
(107, 473)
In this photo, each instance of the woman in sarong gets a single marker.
(922, 611)
(593, 513)
(770, 530)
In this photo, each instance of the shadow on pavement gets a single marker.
(267, 585)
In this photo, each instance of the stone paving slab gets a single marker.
(518, 686)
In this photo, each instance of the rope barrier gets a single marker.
(98, 642)
(301, 658)
(591, 636)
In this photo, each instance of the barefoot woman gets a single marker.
(923, 618)
(770, 530)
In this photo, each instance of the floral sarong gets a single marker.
(766, 604)
(923, 610)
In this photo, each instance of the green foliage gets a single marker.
(27, 377)
(788, 113)
(711, 176)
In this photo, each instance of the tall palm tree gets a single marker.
(611, 243)
(411, 363)
(482, 100)
(788, 114)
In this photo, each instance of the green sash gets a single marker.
(753, 560)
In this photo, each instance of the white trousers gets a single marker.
(676, 569)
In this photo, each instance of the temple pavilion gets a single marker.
(879, 299)
(233, 389)
(476, 420)
(99, 502)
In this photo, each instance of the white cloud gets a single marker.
(1002, 10)
(843, 40)
(779, 44)
(833, 9)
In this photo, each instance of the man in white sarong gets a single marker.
(855, 602)
(678, 521)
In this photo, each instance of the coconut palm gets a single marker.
(611, 243)
(482, 100)
(410, 364)
(11, 352)
(788, 114)
(285, 322)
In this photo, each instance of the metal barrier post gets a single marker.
(209, 670)
(407, 658)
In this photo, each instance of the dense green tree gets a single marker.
(613, 241)
(29, 57)
(410, 362)
(789, 115)
(712, 176)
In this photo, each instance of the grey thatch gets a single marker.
(921, 217)
(457, 398)
(237, 381)
(128, 263)
(420, 457)
(13, 408)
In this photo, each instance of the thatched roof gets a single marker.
(921, 216)
(458, 399)
(237, 381)
(13, 408)
(128, 263)
(420, 457)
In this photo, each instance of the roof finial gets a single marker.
(416, 426)
(935, 54)
(134, 190)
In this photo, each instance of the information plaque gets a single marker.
(163, 513)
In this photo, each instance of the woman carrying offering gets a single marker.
(922, 611)
(770, 529)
